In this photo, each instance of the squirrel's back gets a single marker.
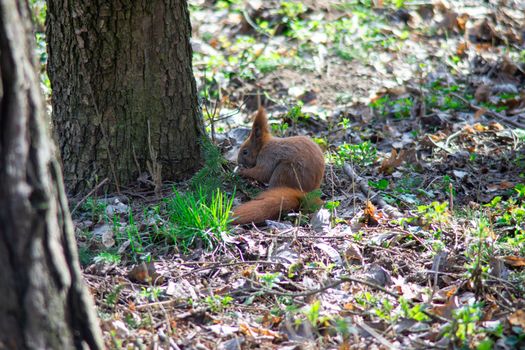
(298, 162)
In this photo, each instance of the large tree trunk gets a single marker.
(43, 301)
(117, 69)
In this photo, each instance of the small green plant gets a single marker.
(322, 142)
(366, 299)
(381, 185)
(344, 123)
(494, 107)
(384, 310)
(520, 190)
(212, 174)
(344, 327)
(291, 10)
(362, 154)
(312, 312)
(332, 206)
(510, 213)
(107, 258)
(358, 236)
(197, 218)
(463, 325)
(312, 201)
(151, 293)
(134, 237)
(400, 108)
(269, 279)
(413, 312)
(296, 113)
(85, 255)
(97, 209)
(435, 212)
(112, 297)
(280, 129)
(217, 303)
(479, 254)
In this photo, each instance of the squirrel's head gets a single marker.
(258, 137)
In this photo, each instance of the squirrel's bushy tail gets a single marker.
(268, 205)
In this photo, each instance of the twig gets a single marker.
(154, 167)
(219, 265)
(341, 280)
(449, 151)
(88, 195)
(156, 303)
(253, 24)
(489, 112)
(309, 236)
(452, 136)
(376, 335)
(365, 189)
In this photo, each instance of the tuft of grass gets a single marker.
(96, 209)
(196, 218)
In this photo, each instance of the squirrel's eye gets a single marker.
(245, 152)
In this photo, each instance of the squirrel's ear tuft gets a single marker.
(260, 124)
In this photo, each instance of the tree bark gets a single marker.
(122, 84)
(43, 303)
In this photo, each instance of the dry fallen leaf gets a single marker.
(496, 126)
(515, 261)
(479, 113)
(479, 127)
(446, 293)
(352, 254)
(462, 21)
(438, 136)
(270, 320)
(370, 216)
(468, 129)
(256, 331)
(489, 311)
(504, 185)
(446, 309)
(462, 47)
(393, 162)
(518, 319)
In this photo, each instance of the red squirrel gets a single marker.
(291, 166)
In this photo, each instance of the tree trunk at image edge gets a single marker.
(122, 83)
(44, 303)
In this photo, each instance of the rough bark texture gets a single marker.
(43, 303)
(116, 67)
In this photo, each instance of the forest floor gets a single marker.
(420, 109)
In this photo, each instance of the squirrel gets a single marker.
(291, 166)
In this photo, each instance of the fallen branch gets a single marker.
(365, 189)
(88, 195)
(497, 115)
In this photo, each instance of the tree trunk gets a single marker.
(43, 303)
(123, 89)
